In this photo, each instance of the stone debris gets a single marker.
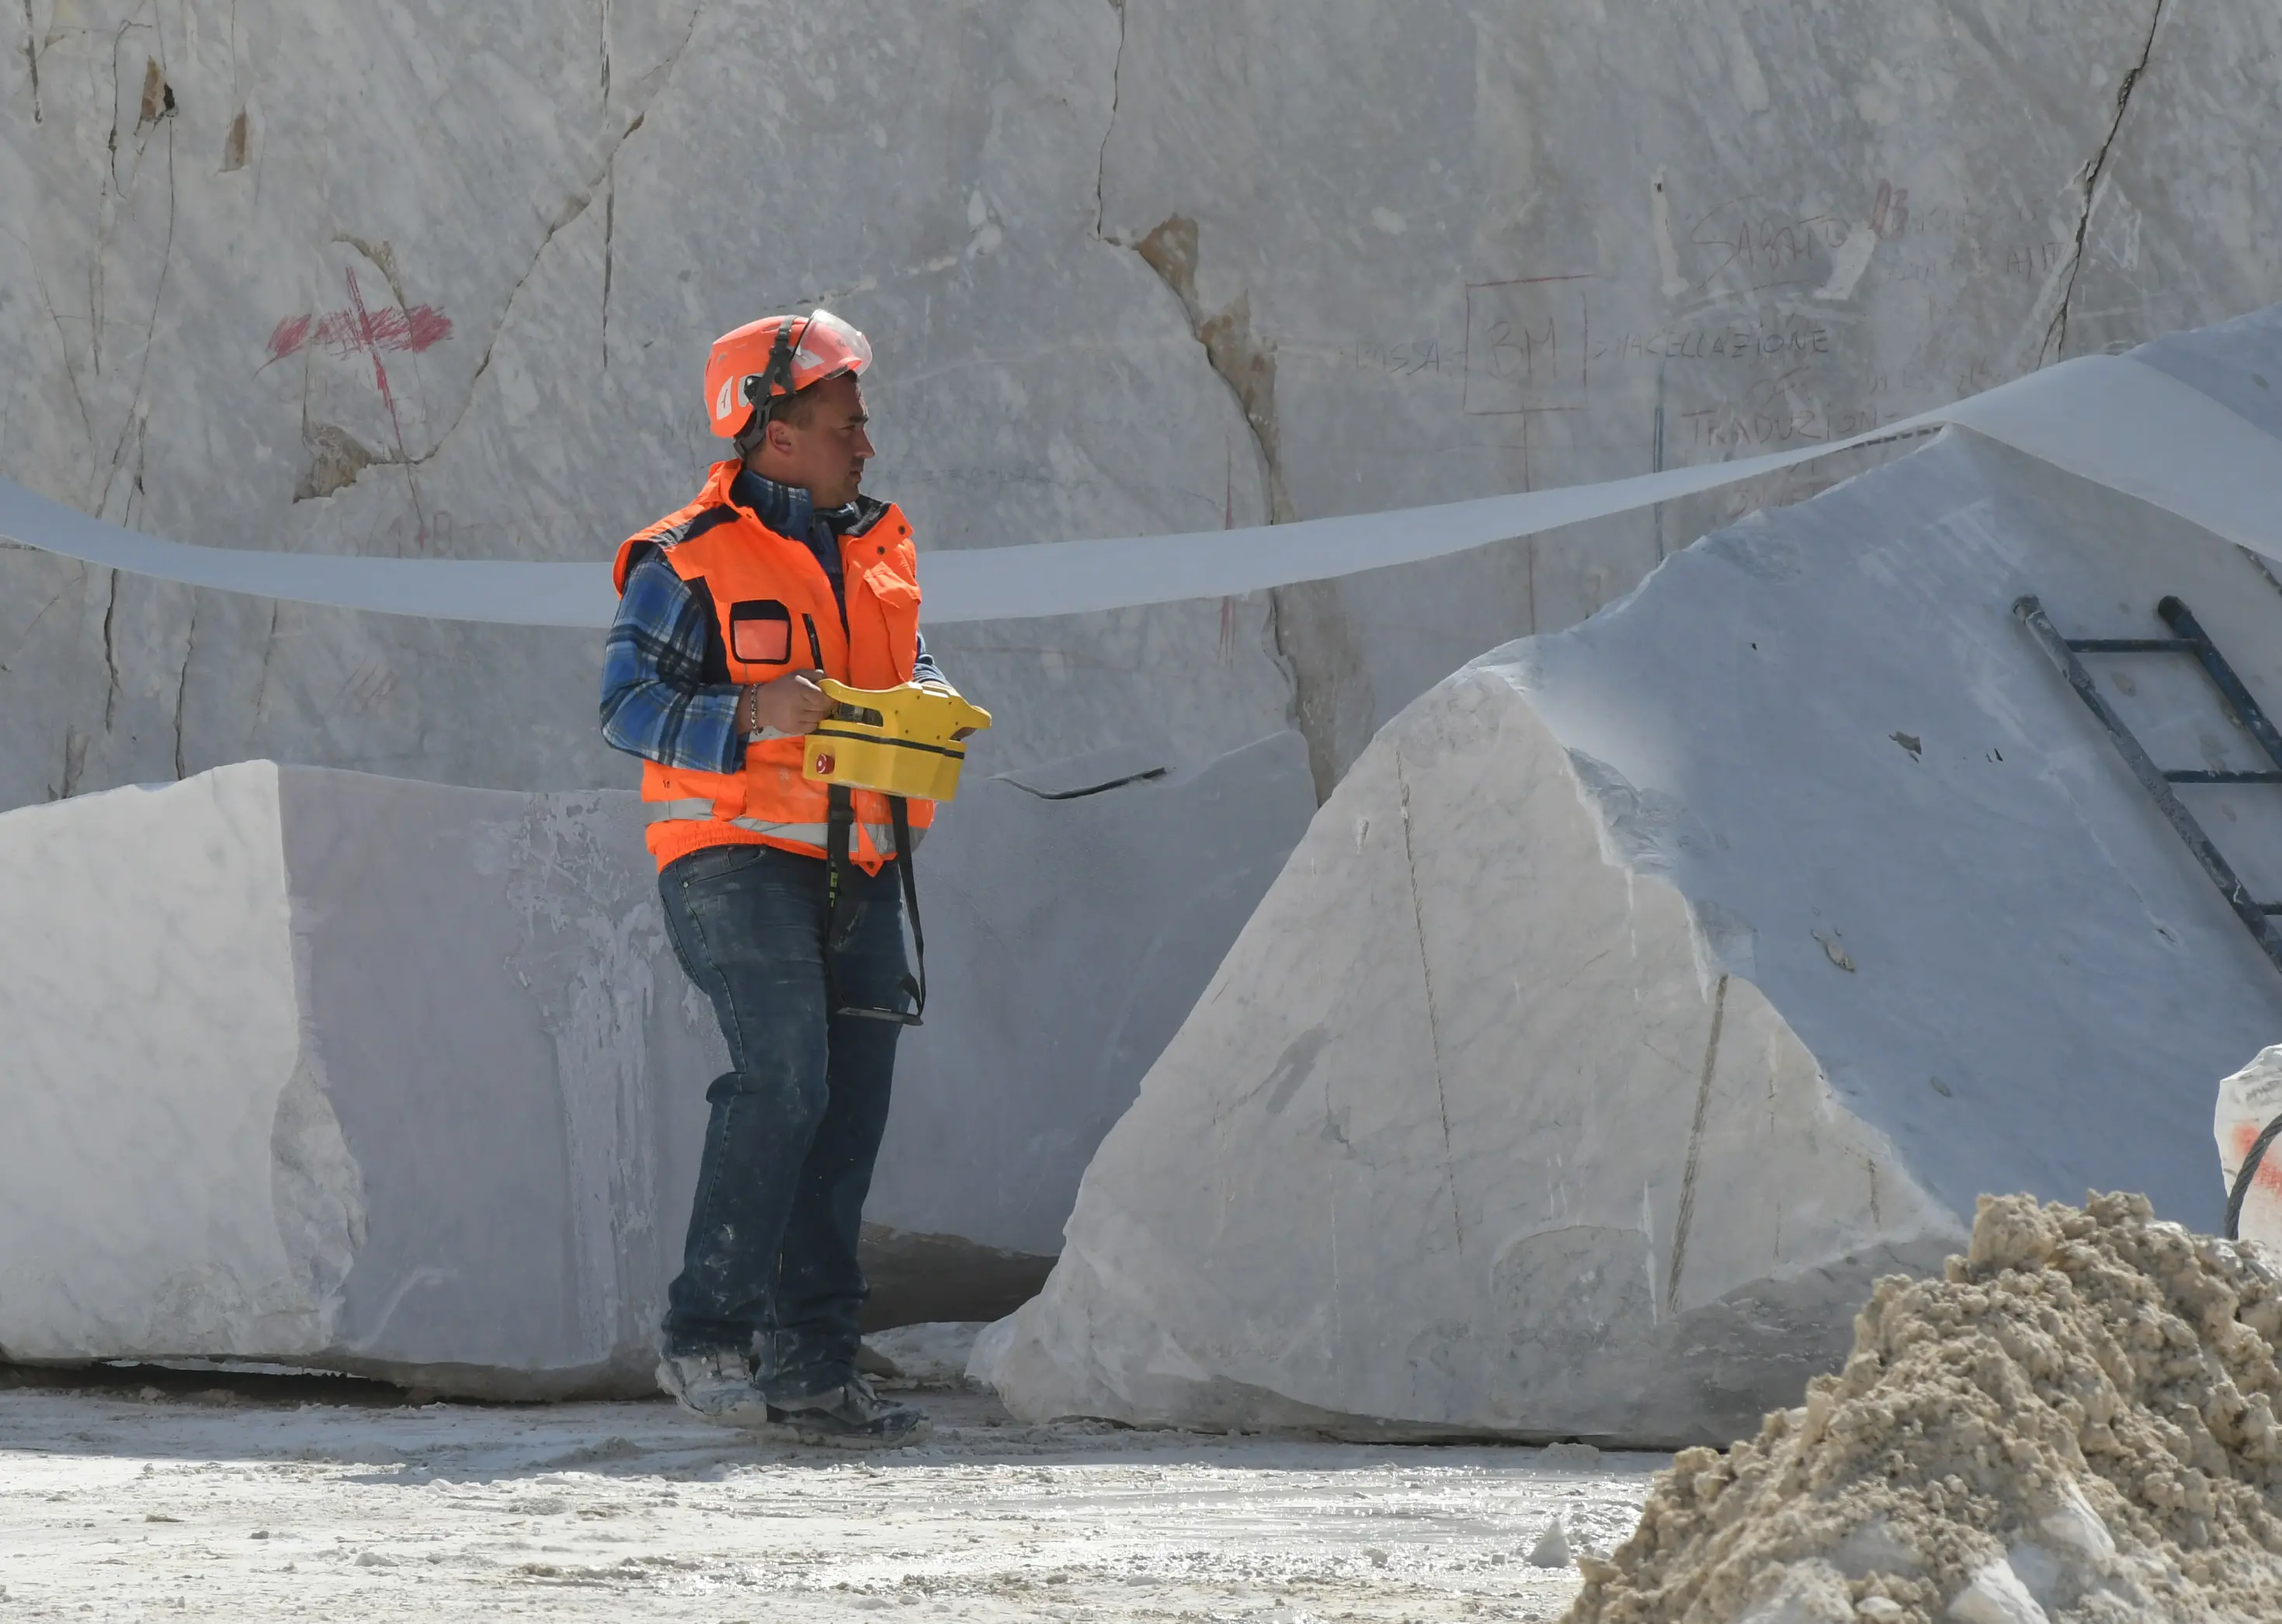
(1552, 1547)
(2075, 1422)
(930, 1354)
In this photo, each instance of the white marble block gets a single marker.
(1647, 989)
(316, 1067)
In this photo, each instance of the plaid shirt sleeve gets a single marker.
(656, 702)
(924, 669)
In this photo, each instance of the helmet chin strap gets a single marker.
(763, 389)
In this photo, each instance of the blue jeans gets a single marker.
(770, 1263)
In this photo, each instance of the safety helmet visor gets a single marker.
(826, 347)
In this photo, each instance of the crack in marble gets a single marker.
(268, 650)
(1313, 643)
(111, 652)
(1116, 95)
(575, 206)
(183, 686)
(2056, 335)
(1433, 1017)
(32, 60)
(610, 259)
(1685, 1217)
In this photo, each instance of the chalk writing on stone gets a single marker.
(1400, 360)
(1737, 342)
(1742, 233)
(1529, 345)
(1774, 423)
(1889, 210)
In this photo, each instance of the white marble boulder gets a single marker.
(320, 1068)
(1647, 988)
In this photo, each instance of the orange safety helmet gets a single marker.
(777, 356)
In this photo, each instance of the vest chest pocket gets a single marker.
(760, 632)
(897, 598)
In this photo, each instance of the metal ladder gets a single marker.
(2257, 916)
(2190, 640)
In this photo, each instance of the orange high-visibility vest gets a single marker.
(774, 609)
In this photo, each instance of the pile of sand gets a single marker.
(2076, 1423)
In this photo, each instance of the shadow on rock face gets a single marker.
(918, 1279)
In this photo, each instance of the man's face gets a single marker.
(824, 454)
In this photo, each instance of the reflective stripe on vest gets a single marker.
(884, 835)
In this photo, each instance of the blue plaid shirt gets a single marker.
(656, 703)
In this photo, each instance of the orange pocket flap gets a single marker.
(896, 592)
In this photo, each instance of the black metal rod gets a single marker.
(2225, 777)
(2180, 619)
(2131, 646)
(2252, 913)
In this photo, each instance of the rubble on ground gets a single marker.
(2075, 1422)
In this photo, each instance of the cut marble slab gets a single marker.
(1649, 988)
(317, 1067)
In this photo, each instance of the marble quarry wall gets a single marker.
(437, 281)
(322, 1068)
(1649, 988)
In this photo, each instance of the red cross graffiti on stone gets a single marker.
(346, 332)
(362, 330)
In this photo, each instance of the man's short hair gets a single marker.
(795, 408)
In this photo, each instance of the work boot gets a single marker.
(715, 1385)
(850, 1416)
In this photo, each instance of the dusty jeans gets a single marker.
(770, 1261)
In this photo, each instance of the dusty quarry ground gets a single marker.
(269, 1499)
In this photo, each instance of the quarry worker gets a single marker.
(780, 572)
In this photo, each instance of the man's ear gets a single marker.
(779, 435)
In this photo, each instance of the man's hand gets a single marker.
(791, 704)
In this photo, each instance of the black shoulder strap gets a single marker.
(839, 826)
(899, 814)
(695, 525)
(839, 823)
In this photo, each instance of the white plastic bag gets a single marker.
(2247, 1101)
